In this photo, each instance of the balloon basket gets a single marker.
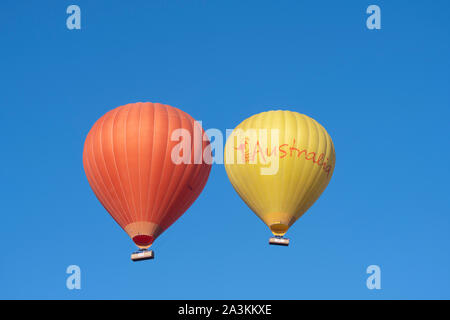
(279, 241)
(142, 255)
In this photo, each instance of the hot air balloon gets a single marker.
(279, 162)
(146, 164)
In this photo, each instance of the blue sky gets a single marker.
(383, 96)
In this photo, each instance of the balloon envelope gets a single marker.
(279, 162)
(128, 160)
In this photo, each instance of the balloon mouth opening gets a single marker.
(143, 240)
(279, 229)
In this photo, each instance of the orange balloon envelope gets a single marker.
(128, 160)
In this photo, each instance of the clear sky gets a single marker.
(383, 95)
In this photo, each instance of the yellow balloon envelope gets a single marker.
(279, 162)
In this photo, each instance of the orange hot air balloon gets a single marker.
(132, 161)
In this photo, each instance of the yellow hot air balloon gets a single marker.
(279, 162)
